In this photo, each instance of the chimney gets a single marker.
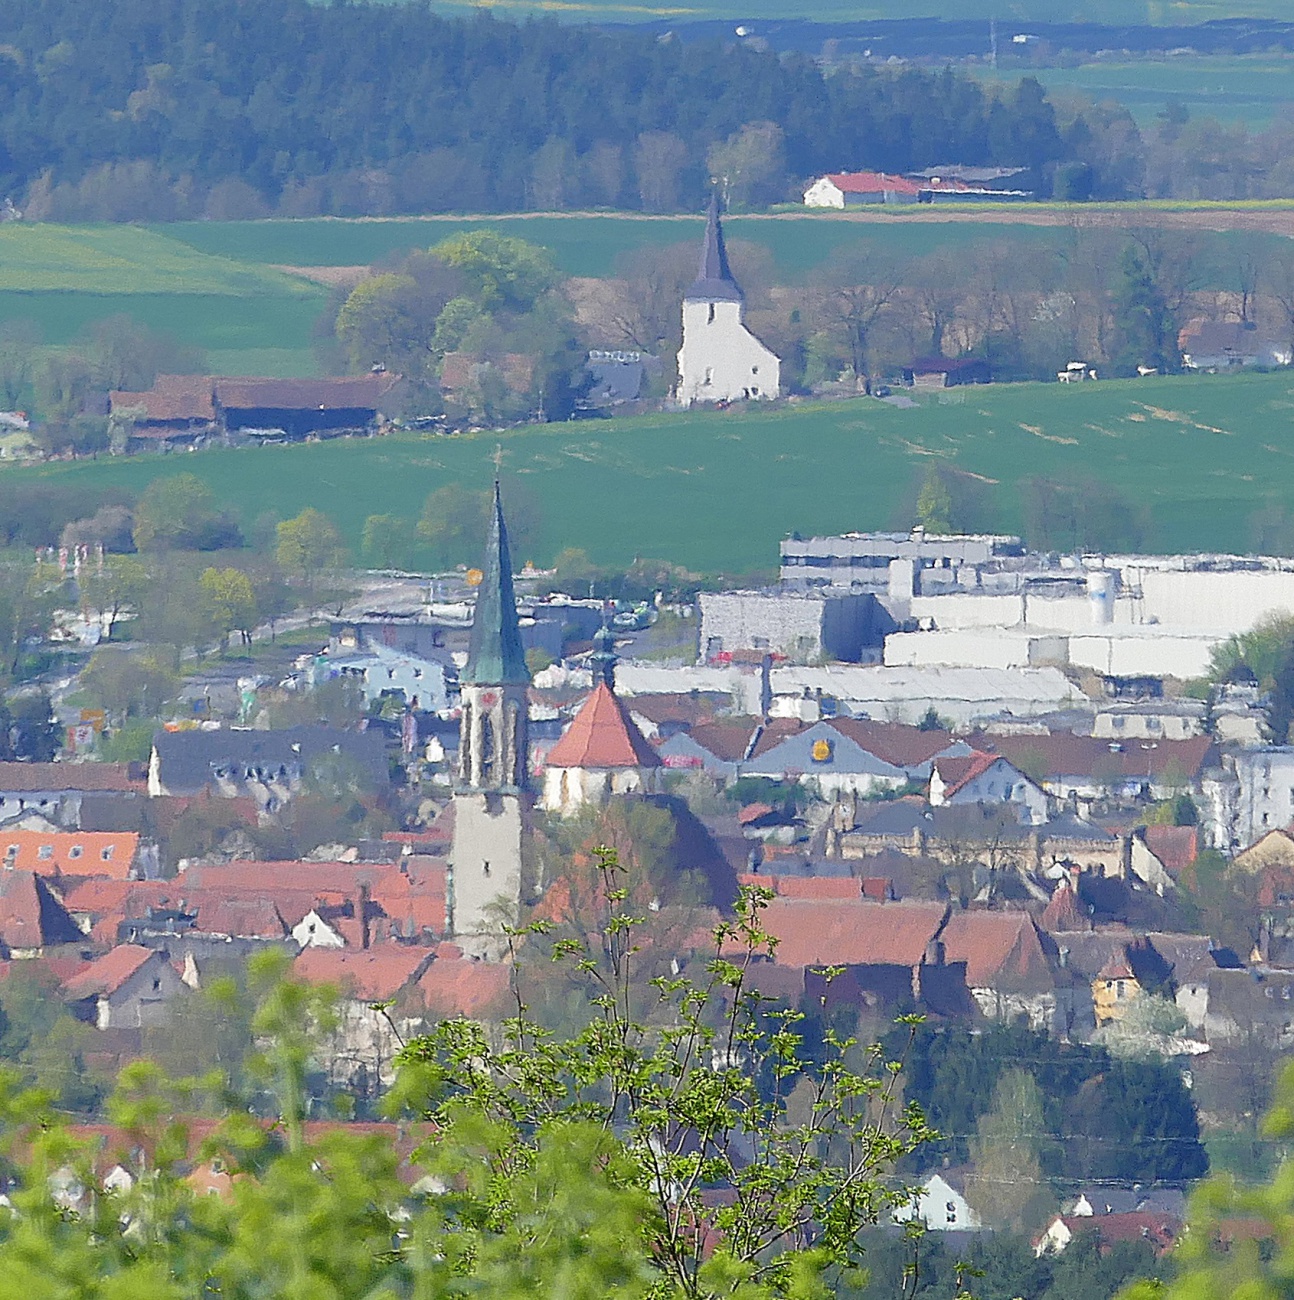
(765, 686)
(361, 910)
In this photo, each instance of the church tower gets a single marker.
(721, 360)
(491, 800)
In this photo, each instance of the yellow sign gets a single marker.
(821, 751)
(475, 577)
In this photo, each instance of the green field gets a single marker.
(715, 492)
(1253, 89)
(248, 317)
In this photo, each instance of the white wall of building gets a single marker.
(823, 193)
(974, 648)
(721, 360)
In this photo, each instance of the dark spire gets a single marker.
(495, 656)
(602, 661)
(714, 282)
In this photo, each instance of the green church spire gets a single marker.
(495, 656)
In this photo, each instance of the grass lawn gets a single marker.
(716, 492)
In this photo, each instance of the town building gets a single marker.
(721, 360)
(802, 627)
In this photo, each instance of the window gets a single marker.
(710, 317)
(950, 1211)
(75, 851)
(754, 370)
(46, 852)
(709, 375)
(106, 853)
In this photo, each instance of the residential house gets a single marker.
(71, 853)
(1085, 768)
(940, 1203)
(456, 985)
(32, 918)
(1160, 1231)
(57, 790)
(980, 778)
(891, 952)
(1250, 1009)
(1230, 345)
(664, 715)
(268, 766)
(726, 747)
(362, 1049)
(1274, 848)
(1013, 971)
(129, 987)
(1250, 792)
(854, 757)
(380, 670)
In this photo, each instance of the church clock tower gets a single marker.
(491, 797)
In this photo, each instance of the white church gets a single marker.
(721, 360)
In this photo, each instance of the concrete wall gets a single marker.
(801, 628)
(1003, 648)
(1230, 602)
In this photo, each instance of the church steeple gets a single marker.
(714, 282)
(493, 741)
(495, 654)
(602, 662)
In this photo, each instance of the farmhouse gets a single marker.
(854, 189)
(1230, 345)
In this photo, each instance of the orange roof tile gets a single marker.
(958, 772)
(1002, 950)
(70, 853)
(454, 985)
(372, 975)
(853, 932)
(1175, 846)
(602, 735)
(108, 973)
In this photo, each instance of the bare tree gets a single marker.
(851, 296)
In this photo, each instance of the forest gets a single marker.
(161, 109)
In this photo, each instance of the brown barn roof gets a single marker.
(173, 399)
(348, 392)
(1060, 754)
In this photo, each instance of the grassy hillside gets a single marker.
(715, 492)
(248, 316)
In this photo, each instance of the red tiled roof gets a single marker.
(371, 975)
(1002, 950)
(958, 772)
(454, 985)
(34, 778)
(752, 812)
(872, 183)
(71, 853)
(602, 735)
(1175, 846)
(895, 743)
(1060, 754)
(1117, 968)
(690, 707)
(1063, 911)
(855, 932)
(31, 915)
(1160, 1230)
(108, 973)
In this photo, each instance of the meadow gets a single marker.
(715, 491)
(1253, 89)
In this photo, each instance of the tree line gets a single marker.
(163, 109)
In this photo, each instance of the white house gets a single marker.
(380, 670)
(941, 1206)
(853, 189)
(986, 778)
(721, 360)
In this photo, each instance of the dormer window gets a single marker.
(105, 853)
(75, 851)
(45, 852)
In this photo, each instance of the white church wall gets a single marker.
(721, 360)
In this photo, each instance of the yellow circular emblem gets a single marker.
(475, 577)
(821, 751)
